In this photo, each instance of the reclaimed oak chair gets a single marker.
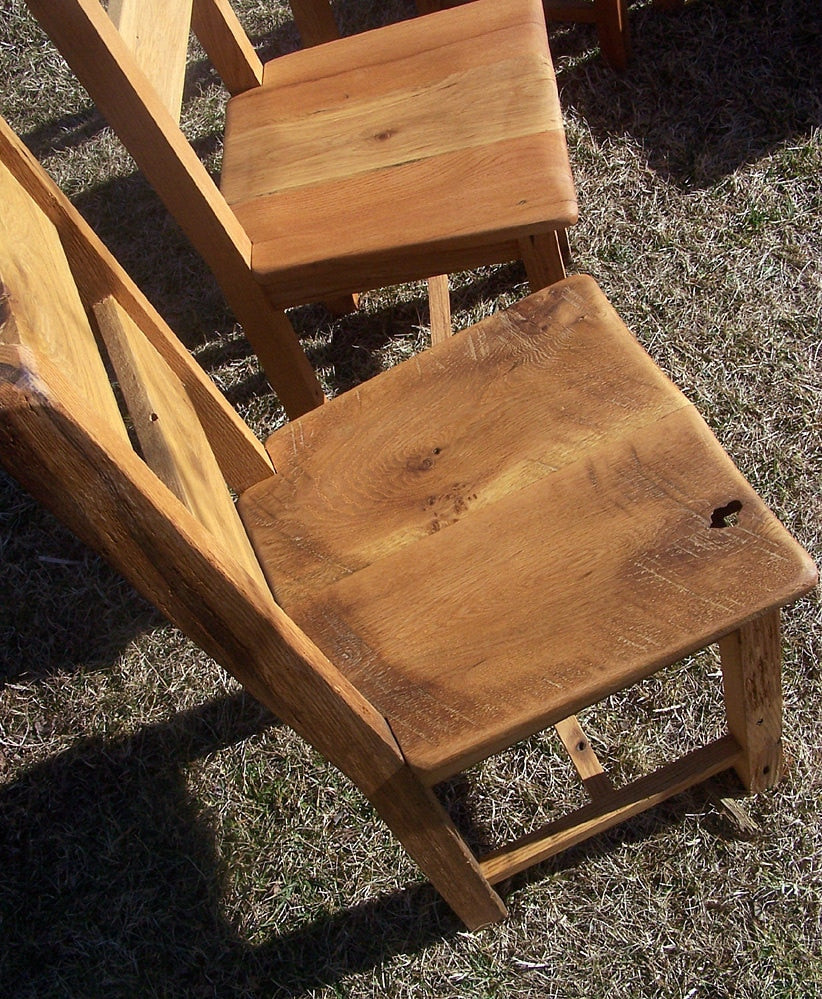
(414, 150)
(465, 550)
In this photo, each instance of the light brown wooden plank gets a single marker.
(611, 809)
(475, 197)
(94, 49)
(483, 26)
(171, 438)
(241, 456)
(157, 33)
(470, 639)
(752, 676)
(495, 408)
(269, 152)
(40, 306)
(439, 308)
(542, 256)
(222, 36)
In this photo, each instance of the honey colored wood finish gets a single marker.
(552, 520)
(220, 33)
(439, 304)
(363, 162)
(172, 441)
(242, 458)
(54, 324)
(454, 572)
(104, 64)
(609, 16)
(751, 671)
(469, 128)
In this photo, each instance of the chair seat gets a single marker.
(527, 518)
(352, 137)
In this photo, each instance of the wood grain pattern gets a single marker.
(94, 483)
(157, 33)
(474, 198)
(171, 438)
(439, 308)
(585, 760)
(222, 36)
(40, 307)
(530, 481)
(488, 28)
(495, 408)
(470, 639)
(241, 457)
(269, 150)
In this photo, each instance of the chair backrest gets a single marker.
(165, 518)
(139, 92)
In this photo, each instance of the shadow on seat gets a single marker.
(464, 550)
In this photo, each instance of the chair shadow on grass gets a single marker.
(710, 87)
(110, 881)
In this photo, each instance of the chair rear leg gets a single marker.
(752, 679)
(542, 256)
(421, 824)
(612, 29)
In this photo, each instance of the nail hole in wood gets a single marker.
(726, 516)
(154, 417)
(581, 747)
(766, 770)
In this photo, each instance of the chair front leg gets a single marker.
(421, 824)
(752, 679)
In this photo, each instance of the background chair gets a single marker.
(421, 148)
(466, 549)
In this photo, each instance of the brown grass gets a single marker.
(160, 835)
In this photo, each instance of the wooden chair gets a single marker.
(417, 149)
(462, 551)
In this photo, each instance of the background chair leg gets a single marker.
(542, 256)
(752, 678)
(421, 824)
(612, 29)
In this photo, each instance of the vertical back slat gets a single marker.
(222, 36)
(172, 440)
(157, 33)
(242, 458)
(40, 307)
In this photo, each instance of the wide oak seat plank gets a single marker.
(490, 410)
(352, 137)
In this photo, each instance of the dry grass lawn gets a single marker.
(160, 835)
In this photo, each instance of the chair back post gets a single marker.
(241, 457)
(87, 39)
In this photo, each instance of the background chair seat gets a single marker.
(411, 152)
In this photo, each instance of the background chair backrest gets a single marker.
(144, 113)
(172, 530)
